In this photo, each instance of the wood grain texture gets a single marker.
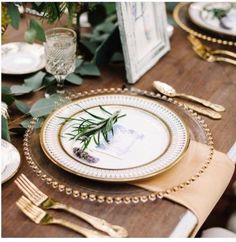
(180, 68)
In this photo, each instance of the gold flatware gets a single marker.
(206, 55)
(204, 111)
(41, 199)
(199, 45)
(171, 92)
(39, 216)
(201, 110)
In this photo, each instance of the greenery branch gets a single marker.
(220, 13)
(86, 130)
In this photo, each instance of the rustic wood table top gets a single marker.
(187, 73)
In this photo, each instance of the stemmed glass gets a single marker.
(60, 50)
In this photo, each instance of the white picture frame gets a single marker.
(143, 33)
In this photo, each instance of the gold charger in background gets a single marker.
(181, 17)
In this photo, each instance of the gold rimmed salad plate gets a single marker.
(22, 58)
(148, 140)
(10, 160)
(204, 15)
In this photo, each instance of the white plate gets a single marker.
(10, 160)
(147, 141)
(205, 19)
(22, 58)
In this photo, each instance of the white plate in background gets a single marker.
(204, 19)
(22, 58)
(10, 160)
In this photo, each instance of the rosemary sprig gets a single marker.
(219, 13)
(93, 128)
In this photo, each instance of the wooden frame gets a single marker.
(143, 31)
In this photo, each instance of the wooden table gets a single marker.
(180, 68)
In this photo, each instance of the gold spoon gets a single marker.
(170, 92)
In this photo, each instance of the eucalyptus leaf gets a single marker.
(18, 131)
(105, 27)
(38, 3)
(88, 69)
(5, 130)
(34, 31)
(44, 106)
(6, 90)
(48, 80)
(21, 106)
(117, 57)
(30, 35)
(91, 46)
(110, 7)
(20, 89)
(40, 35)
(79, 62)
(14, 15)
(97, 15)
(36, 80)
(74, 79)
(106, 50)
(37, 125)
(8, 99)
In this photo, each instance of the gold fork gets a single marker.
(211, 55)
(204, 54)
(39, 216)
(41, 199)
(198, 44)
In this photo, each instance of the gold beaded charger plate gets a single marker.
(181, 17)
(87, 189)
(148, 140)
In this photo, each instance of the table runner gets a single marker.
(202, 195)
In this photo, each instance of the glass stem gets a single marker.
(60, 84)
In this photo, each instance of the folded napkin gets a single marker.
(202, 195)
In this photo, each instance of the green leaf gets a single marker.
(21, 106)
(106, 50)
(74, 79)
(34, 31)
(5, 130)
(6, 90)
(38, 3)
(18, 131)
(14, 15)
(79, 62)
(97, 14)
(117, 57)
(8, 99)
(91, 46)
(20, 89)
(44, 106)
(110, 7)
(35, 81)
(40, 35)
(49, 80)
(30, 35)
(37, 125)
(106, 27)
(88, 69)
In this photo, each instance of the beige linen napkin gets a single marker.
(202, 195)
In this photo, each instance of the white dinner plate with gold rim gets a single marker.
(10, 160)
(148, 140)
(22, 58)
(205, 19)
